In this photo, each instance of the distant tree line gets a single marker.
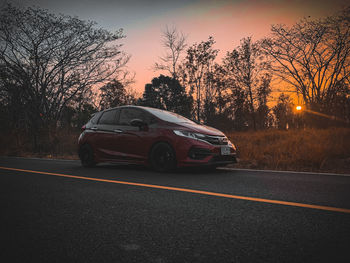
(56, 70)
(310, 60)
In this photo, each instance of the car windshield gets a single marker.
(168, 116)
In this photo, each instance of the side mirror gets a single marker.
(138, 123)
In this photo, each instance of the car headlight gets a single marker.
(192, 135)
(231, 145)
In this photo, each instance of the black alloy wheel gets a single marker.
(86, 155)
(163, 157)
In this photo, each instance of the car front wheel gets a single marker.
(162, 157)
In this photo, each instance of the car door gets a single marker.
(135, 142)
(107, 135)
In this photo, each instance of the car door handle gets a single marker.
(118, 131)
(94, 128)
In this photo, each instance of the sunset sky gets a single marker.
(227, 21)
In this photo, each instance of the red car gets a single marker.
(159, 138)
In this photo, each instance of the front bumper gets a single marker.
(196, 153)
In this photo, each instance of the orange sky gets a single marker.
(227, 21)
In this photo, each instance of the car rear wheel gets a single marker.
(162, 157)
(86, 155)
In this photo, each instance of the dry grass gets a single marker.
(326, 150)
(61, 144)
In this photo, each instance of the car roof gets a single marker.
(130, 106)
(118, 107)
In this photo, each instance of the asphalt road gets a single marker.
(56, 218)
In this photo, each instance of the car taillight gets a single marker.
(83, 128)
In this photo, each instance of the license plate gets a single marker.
(225, 150)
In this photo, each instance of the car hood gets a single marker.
(201, 129)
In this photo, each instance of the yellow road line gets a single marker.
(262, 200)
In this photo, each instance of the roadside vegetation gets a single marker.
(54, 76)
(316, 150)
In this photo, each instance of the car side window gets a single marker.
(108, 117)
(126, 115)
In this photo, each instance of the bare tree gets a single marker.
(49, 60)
(213, 91)
(313, 56)
(247, 70)
(175, 43)
(197, 67)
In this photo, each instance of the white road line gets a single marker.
(277, 171)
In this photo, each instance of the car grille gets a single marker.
(216, 140)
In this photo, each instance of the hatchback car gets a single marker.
(154, 137)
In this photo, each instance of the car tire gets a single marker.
(162, 157)
(86, 155)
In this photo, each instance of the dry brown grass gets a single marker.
(326, 150)
(61, 144)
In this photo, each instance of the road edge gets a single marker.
(220, 168)
(280, 171)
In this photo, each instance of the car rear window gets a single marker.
(108, 117)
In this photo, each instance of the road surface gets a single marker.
(58, 211)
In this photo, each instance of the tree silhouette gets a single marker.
(166, 93)
(197, 68)
(247, 71)
(115, 94)
(283, 112)
(313, 57)
(47, 61)
(174, 43)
